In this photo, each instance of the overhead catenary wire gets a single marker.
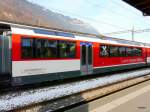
(128, 31)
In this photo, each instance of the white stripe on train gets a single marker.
(27, 68)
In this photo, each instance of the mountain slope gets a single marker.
(24, 12)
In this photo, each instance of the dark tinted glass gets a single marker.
(129, 51)
(27, 48)
(122, 51)
(83, 55)
(109, 50)
(137, 52)
(67, 49)
(45, 48)
(90, 55)
(51, 49)
(113, 51)
(40, 48)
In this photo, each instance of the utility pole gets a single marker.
(132, 31)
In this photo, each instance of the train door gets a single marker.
(86, 58)
(5, 59)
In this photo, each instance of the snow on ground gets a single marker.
(15, 100)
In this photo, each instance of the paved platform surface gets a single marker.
(133, 99)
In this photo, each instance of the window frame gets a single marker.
(119, 46)
(116, 55)
(125, 54)
(75, 43)
(22, 56)
(141, 51)
(47, 39)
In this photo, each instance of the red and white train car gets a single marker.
(33, 55)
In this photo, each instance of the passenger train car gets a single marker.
(31, 55)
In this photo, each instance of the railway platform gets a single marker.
(132, 99)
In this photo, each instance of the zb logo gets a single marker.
(104, 51)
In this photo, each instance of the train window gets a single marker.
(52, 49)
(27, 48)
(40, 48)
(137, 51)
(104, 50)
(45, 48)
(122, 51)
(67, 49)
(113, 51)
(134, 52)
(129, 51)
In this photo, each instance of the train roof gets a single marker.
(33, 30)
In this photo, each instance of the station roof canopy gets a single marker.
(142, 5)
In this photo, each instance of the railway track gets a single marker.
(54, 98)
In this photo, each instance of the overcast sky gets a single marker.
(105, 15)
